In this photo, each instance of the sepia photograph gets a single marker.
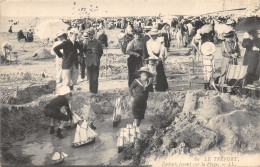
(154, 83)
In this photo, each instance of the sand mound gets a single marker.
(42, 53)
(207, 104)
(240, 130)
(210, 121)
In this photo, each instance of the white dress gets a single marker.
(208, 66)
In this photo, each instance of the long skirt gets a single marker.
(251, 59)
(134, 64)
(139, 107)
(161, 80)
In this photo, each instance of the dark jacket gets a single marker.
(138, 91)
(93, 51)
(103, 39)
(57, 103)
(70, 54)
(251, 57)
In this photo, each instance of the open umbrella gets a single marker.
(248, 24)
(48, 29)
(206, 29)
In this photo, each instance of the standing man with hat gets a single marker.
(71, 50)
(103, 39)
(59, 38)
(93, 51)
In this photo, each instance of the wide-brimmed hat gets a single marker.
(91, 31)
(147, 27)
(207, 48)
(229, 34)
(144, 69)
(153, 32)
(197, 36)
(74, 30)
(60, 33)
(229, 21)
(64, 90)
(85, 34)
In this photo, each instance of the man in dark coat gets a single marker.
(93, 51)
(70, 61)
(103, 38)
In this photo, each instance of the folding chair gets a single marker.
(252, 88)
(234, 72)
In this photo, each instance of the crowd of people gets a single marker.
(147, 41)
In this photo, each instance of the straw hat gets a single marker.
(91, 31)
(207, 48)
(197, 36)
(229, 34)
(146, 28)
(85, 34)
(229, 21)
(64, 90)
(153, 32)
(144, 69)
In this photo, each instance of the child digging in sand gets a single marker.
(139, 91)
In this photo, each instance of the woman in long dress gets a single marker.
(156, 48)
(252, 55)
(135, 49)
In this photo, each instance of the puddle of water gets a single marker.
(40, 146)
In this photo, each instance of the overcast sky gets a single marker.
(56, 8)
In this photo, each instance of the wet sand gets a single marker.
(40, 146)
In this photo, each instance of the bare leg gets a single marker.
(52, 126)
(62, 124)
(52, 122)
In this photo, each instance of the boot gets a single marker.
(71, 87)
(92, 126)
(52, 130)
(59, 133)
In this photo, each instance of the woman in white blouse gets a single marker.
(156, 48)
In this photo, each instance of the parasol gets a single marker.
(48, 29)
(248, 24)
(206, 29)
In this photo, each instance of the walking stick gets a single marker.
(105, 60)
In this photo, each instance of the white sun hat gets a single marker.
(207, 48)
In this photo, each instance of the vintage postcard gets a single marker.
(162, 83)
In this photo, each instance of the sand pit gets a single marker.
(41, 53)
